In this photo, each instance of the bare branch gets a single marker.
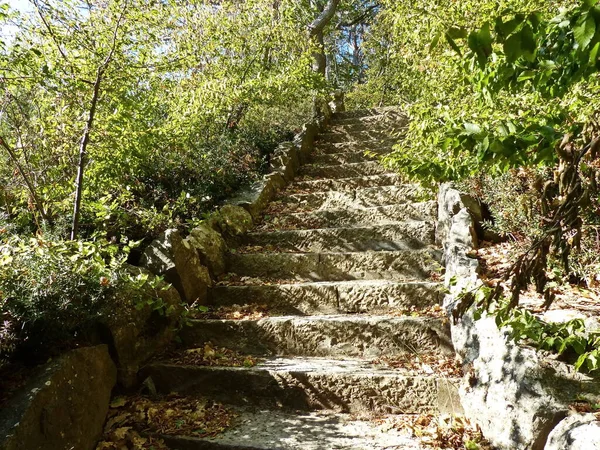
(28, 183)
(317, 26)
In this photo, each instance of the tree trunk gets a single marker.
(315, 31)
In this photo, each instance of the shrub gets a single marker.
(52, 293)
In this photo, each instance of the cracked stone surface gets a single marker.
(328, 335)
(399, 236)
(332, 297)
(265, 429)
(306, 384)
(395, 265)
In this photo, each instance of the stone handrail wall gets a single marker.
(518, 398)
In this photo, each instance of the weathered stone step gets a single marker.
(381, 123)
(341, 158)
(336, 171)
(400, 265)
(344, 217)
(380, 146)
(349, 135)
(337, 297)
(392, 111)
(358, 198)
(351, 184)
(326, 336)
(402, 236)
(306, 384)
(323, 430)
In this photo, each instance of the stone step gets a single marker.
(349, 135)
(261, 429)
(359, 198)
(359, 336)
(410, 235)
(366, 113)
(337, 171)
(342, 158)
(379, 146)
(350, 386)
(400, 265)
(381, 123)
(350, 184)
(334, 297)
(345, 217)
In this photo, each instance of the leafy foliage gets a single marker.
(195, 98)
(55, 292)
(571, 339)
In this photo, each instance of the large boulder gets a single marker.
(515, 395)
(210, 246)
(62, 407)
(145, 325)
(178, 262)
(576, 432)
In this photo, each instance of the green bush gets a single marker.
(52, 293)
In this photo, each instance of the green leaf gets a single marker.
(505, 29)
(512, 48)
(526, 75)
(435, 41)
(594, 53)
(453, 44)
(584, 30)
(471, 129)
(457, 33)
(480, 42)
(528, 44)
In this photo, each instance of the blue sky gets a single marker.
(21, 5)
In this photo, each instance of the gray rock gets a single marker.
(305, 140)
(350, 184)
(350, 170)
(516, 396)
(256, 197)
(353, 216)
(576, 432)
(267, 430)
(210, 246)
(138, 331)
(401, 265)
(64, 406)
(231, 221)
(286, 161)
(175, 259)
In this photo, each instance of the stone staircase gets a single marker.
(345, 263)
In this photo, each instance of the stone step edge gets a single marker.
(351, 209)
(296, 389)
(336, 284)
(363, 178)
(356, 189)
(361, 227)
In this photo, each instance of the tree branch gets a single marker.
(317, 26)
(28, 183)
(85, 139)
